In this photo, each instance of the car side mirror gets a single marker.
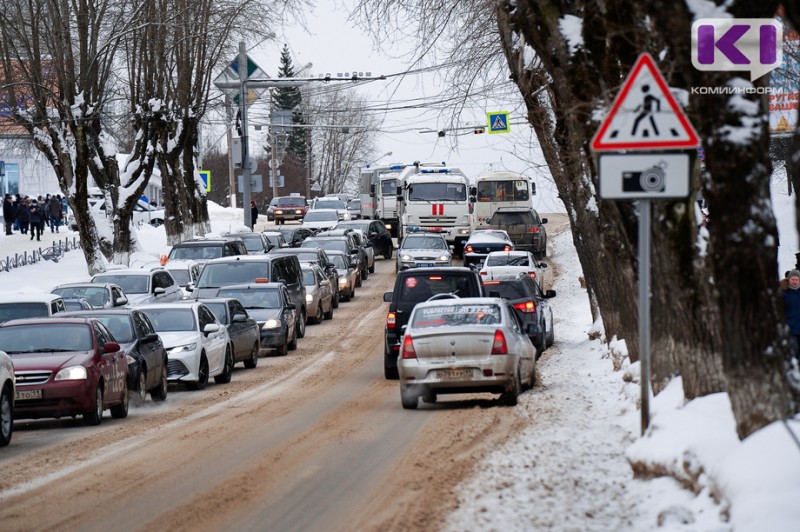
(159, 290)
(403, 329)
(550, 293)
(387, 297)
(147, 338)
(120, 301)
(239, 318)
(372, 190)
(110, 347)
(544, 220)
(542, 265)
(452, 248)
(210, 328)
(291, 306)
(473, 191)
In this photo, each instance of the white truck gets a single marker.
(378, 192)
(434, 198)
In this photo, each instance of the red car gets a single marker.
(66, 367)
(290, 208)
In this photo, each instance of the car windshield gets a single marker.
(292, 202)
(354, 204)
(222, 274)
(437, 192)
(181, 276)
(119, 326)
(338, 245)
(13, 311)
(389, 187)
(453, 315)
(338, 261)
(511, 218)
(254, 299)
(363, 226)
(253, 242)
(96, 295)
(46, 338)
(218, 308)
(423, 242)
(509, 290)
(507, 260)
(171, 319)
(416, 288)
(321, 216)
(309, 279)
(130, 283)
(274, 240)
(329, 204)
(196, 252)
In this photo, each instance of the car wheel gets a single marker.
(358, 280)
(329, 315)
(301, 326)
(335, 303)
(252, 362)
(202, 375)
(95, 415)
(283, 349)
(364, 273)
(352, 294)
(293, 344)
(121, 410)
(372, 268)
(160, 393)
(141, 393)
(6, 416)
(511, 397)
(318, 316)
(408, 399)
(388, 253)
(541, 345)
(227, 370)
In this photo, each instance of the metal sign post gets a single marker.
(245, 153)
(644, 308)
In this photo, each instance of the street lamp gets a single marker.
(387, 154)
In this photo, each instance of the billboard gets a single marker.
(785, 84)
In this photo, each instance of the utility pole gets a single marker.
(308, 163)
(248, 221)
(231, 174)
(273, 139)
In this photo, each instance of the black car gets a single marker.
(360, 241)
(483, 242)
(256, 243)
(377, 234)
(295, 235)
(340, 243)
(147, 358)
(320, 257)
(530, 303)
(242, 329)
(524, 227)
(414, 286)
(269, 304)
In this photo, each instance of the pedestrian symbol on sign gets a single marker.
(498, 122)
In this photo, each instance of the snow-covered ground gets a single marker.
(569, 469)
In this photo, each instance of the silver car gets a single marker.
(348, 274)
(319, 294)
(99, 295)
(464, 345)
(143, 286)
(423, 250)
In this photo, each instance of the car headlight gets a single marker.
(444, 257)
(182, 348)
(342, 280)
(72, 373)
(271, 324)
(309, 298)
(405, 257)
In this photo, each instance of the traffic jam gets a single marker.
(468, 311)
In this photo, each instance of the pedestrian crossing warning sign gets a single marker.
(498, 122)
(645, 115)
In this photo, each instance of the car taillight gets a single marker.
(533, 230)
(499, 346)
(533, 275)
(391, 320)
(528, 307)
(468, 248)
(484, 273)
(408, 348)
(507, 248)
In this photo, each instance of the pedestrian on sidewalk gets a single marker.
(23, 215)
(54, 213)
(253, 214)
(36, 219)
(17, 202)
(791, 307)
(8, 213)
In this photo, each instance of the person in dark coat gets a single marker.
(23, 216)
(791, 306)
(253, 214)
(54, 213)
(17, 203)
(8, 213)
(36, 219)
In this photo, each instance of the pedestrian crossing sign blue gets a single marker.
(498, 122)
(205, 175)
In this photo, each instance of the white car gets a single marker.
(196, 342)
(143, 286)
(505, 263)
(335, 203)
(7, 397)
(321, 219)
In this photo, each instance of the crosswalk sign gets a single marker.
(205, 175)
(498, 122)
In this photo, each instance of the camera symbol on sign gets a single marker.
(648, 180)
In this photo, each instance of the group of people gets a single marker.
(24, 214)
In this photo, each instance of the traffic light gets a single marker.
(479, 129)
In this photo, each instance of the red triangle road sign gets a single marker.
(645, 115)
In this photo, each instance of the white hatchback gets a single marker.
(197, 344)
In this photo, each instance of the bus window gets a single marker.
(516, 190)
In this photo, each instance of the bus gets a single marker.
(500, 188)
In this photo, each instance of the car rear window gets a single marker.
(512, 218)
(13, 311)
(222, 274)
(254, 299)
(130, 284)
(507, 260)
(454, 315)
(196, 252)
(416, 288)
(504, 289)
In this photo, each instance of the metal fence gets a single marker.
(54, 253)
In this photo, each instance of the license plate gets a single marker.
(425, 265)
(23, 395)
(453, 373)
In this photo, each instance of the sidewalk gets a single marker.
(19, 244)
